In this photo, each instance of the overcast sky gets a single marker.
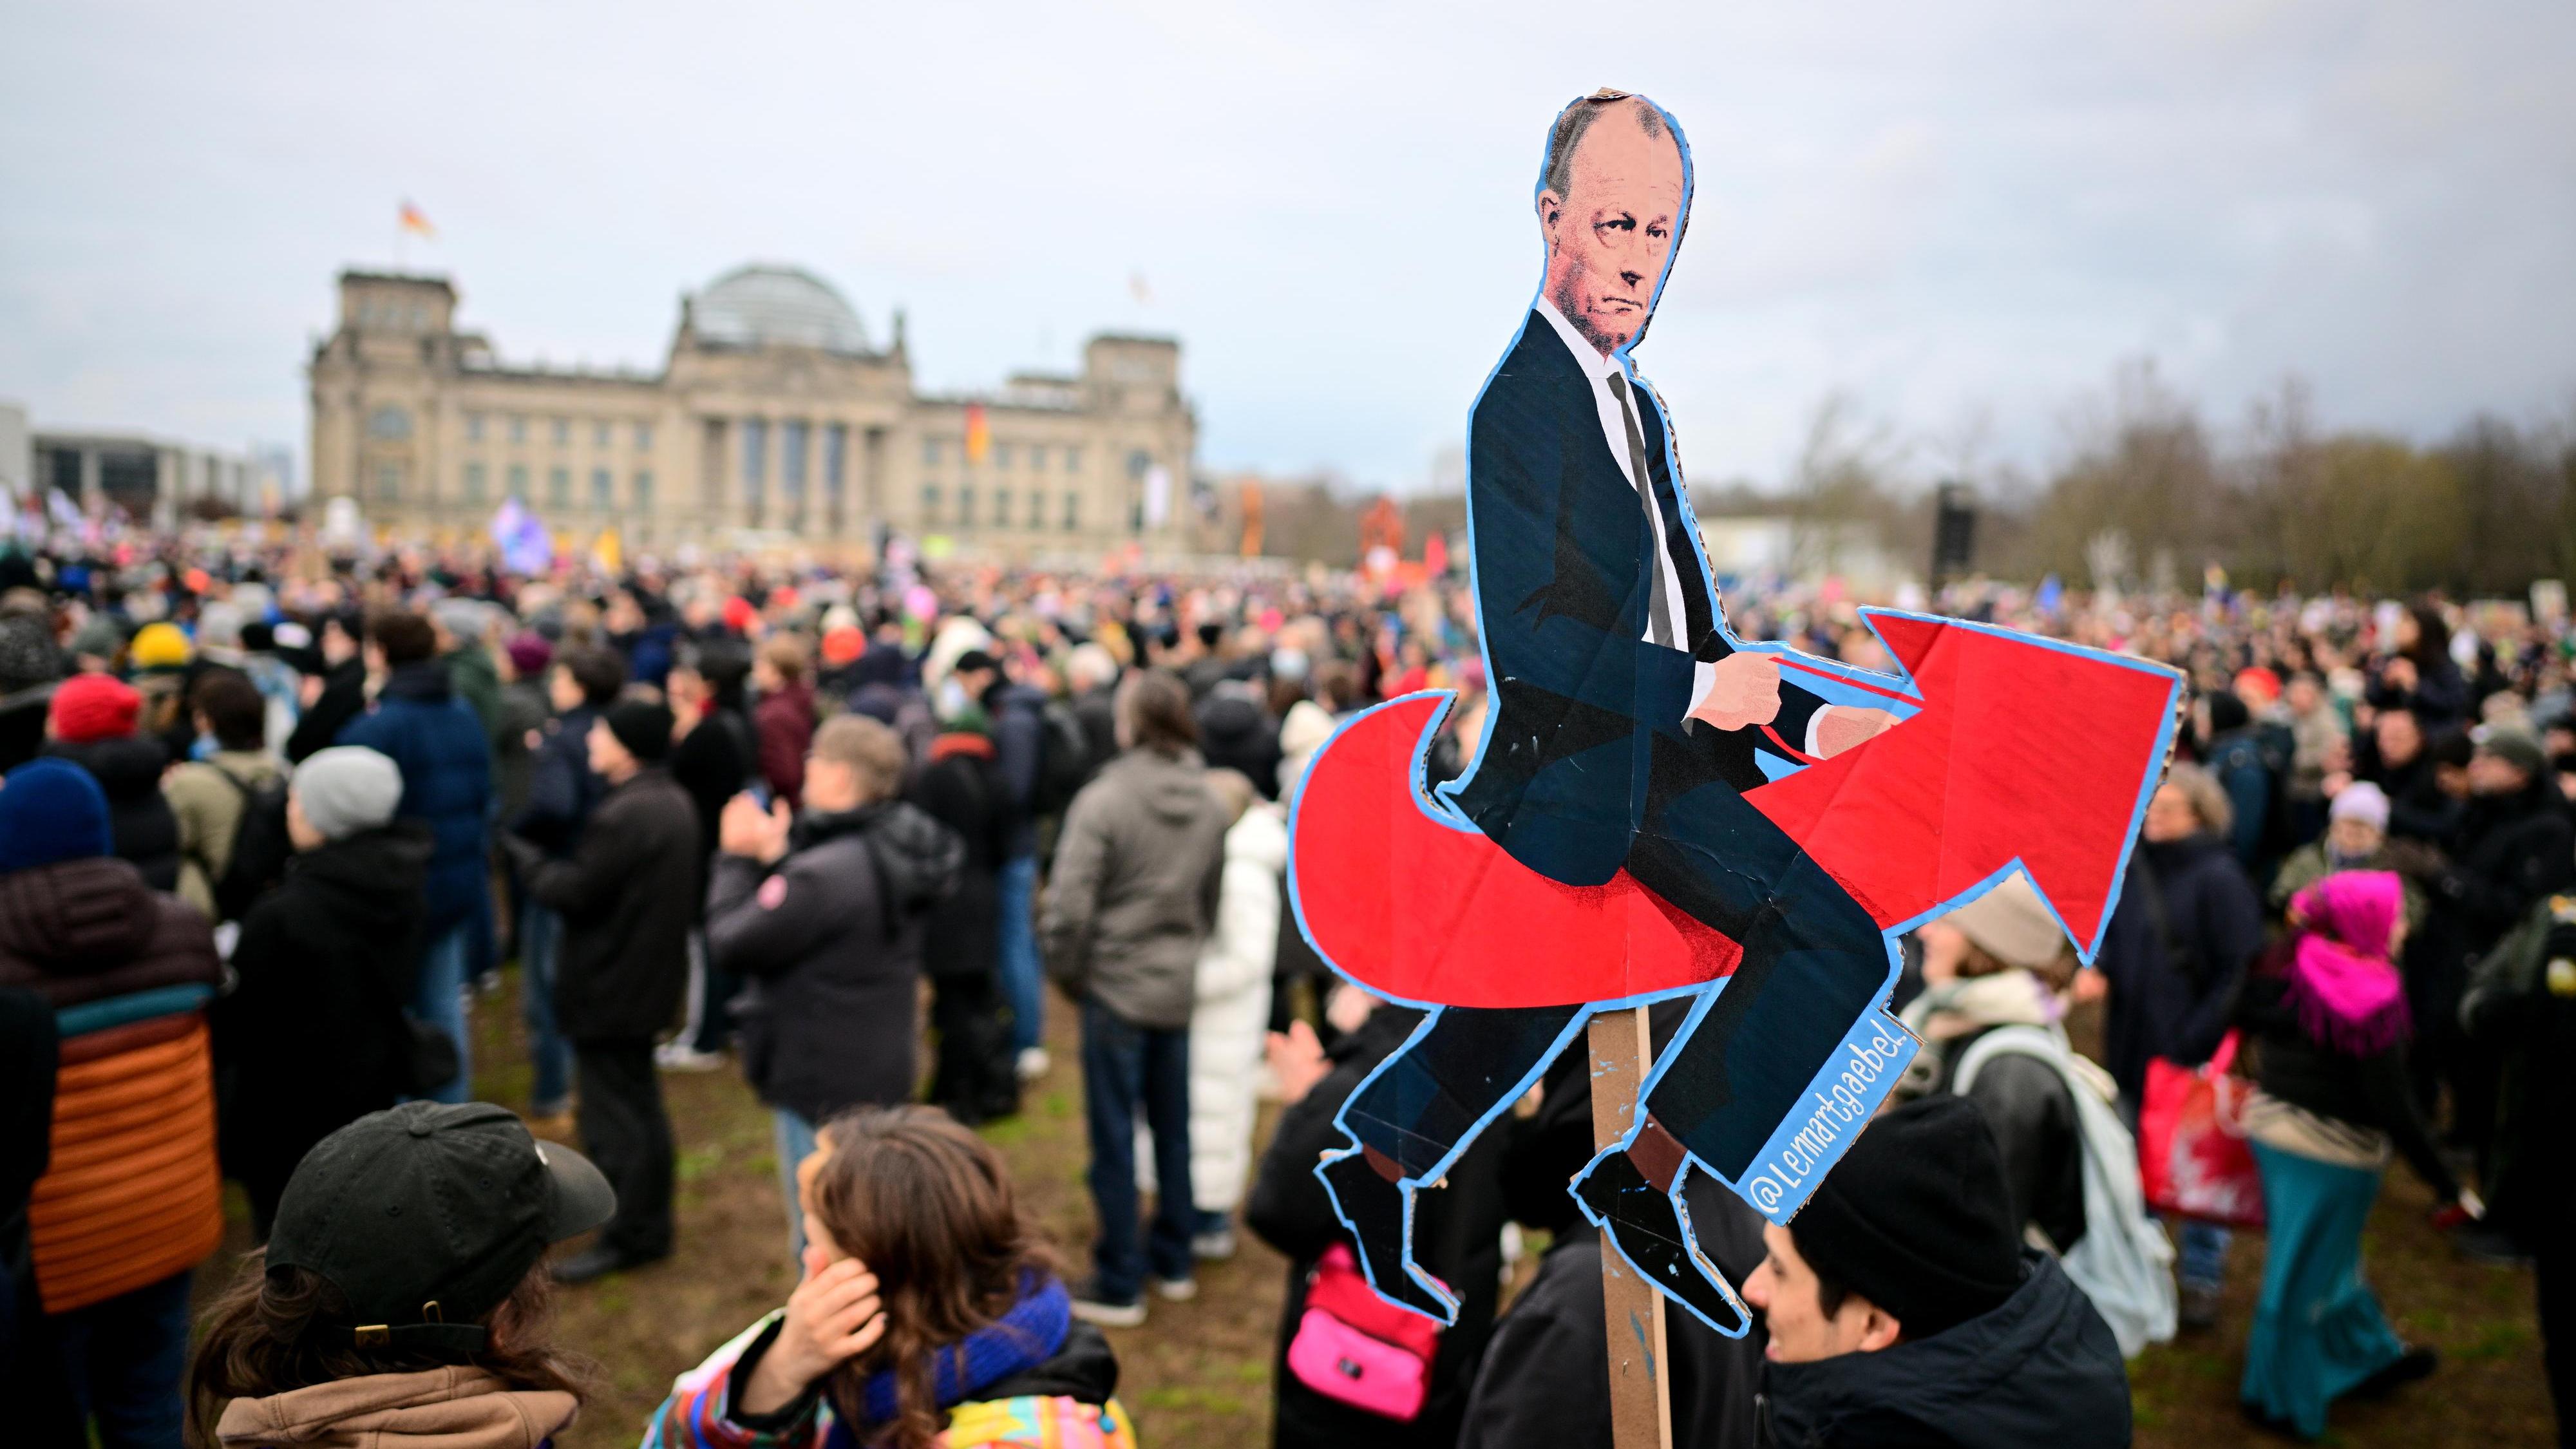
(1962, 215)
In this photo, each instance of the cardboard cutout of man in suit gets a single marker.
(1624, 733)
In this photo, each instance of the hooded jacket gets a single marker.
(206, 798)
(830, 939)
(434, 738)
(1134, 894)
(627, 899)
(2042, 1368)
(442, 1408)
(312, 1037)
(2024, 1100)
(131, 1195)
(138, 816)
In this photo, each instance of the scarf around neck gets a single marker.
(2347, 996)
(1016, 1342)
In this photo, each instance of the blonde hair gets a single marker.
(869, 749)
(2208, 798)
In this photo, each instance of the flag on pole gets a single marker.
(417, 224)
(979, 433)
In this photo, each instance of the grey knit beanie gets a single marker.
(347, 789)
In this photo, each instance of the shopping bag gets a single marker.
(2192, 1155)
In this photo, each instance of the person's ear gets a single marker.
(1879, 1329)
(1550, 207)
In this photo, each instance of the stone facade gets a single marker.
(774, 423)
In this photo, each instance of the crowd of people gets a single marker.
(274, 821)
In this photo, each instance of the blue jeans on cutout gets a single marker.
(795, 1144)
(540, 938)
(1126, 1069)
(1022, 981)
(438, 998)
(122, 1360)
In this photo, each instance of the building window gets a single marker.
(473, 427)
(755, 467)
(389, 482)
(563, 432)
(518, 427)
(1072, 512)
(1001, 455)
(1138, 461)
(473, 482)
(643, 437)
(603, 490)
(966, 505)
(929, 505)
(1001, 507)
(603, 434)
(1037, 459)
(519, 482)
(559, 487)
(1073, 460)
(392, 424)
(1037, 509)
(643, 499)
(930, 452)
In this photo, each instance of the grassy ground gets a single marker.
(1199, 1373)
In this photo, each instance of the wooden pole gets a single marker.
(1641, 1411)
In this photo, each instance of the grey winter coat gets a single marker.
(1134, 893)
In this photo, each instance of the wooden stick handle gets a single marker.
(1641, 1413)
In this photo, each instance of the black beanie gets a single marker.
(1916, 1219)
(642, 726)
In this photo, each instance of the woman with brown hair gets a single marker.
(401, 1298)
(930, 1313)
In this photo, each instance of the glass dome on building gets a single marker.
(773, 306)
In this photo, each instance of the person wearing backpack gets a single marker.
(1022, 736)
(231, 791)
(1995, 975)
(313, 1037)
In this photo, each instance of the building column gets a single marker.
(93, 492)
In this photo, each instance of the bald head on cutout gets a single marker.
(1610, 207)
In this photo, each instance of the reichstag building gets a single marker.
(777, 420)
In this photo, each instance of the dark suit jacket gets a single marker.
(1562, 551)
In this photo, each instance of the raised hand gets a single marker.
(833, 1316)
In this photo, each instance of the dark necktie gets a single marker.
(1659, 606)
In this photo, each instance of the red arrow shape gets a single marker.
(2023, 749)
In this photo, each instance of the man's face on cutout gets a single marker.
(1609, 236)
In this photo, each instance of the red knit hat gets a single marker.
(94, 707)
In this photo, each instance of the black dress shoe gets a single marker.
(596, 1262)
(1641, 1222)
(1374, 1208)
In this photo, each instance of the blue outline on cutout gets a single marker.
(1439, 807)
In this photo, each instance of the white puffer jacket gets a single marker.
(1230, 1017)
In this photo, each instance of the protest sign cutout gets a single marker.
(1658, 809)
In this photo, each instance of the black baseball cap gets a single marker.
(427, 1216)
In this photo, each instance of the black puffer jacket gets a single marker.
(138, 818)
(2174, 981)
(961, 787)
(312, 1037)
(628, 898)
(2042, 1369)
(830, 939)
